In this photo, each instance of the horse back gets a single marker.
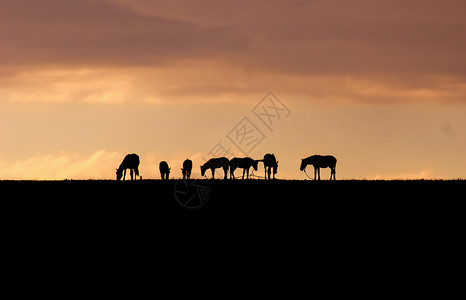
(187, 165)
(269, 160)
(218, 162)
(241, 162)
(328, 161)
(131, 161)
(163, 166)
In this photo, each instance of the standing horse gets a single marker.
(243, 163)
(131, 161)
(187, 167)
(215, 163)
(320, 161)
(164, 170)
(270, 162)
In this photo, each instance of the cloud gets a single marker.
(156, 51)
(328, 37)
(67, 85)
(99, 165)
(426, 173)
(85, 32)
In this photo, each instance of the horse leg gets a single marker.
(225, 170)
(247, 173)
(124, 174)
(315, 173)
(268, 172)
(213, 173)
(318, 172)
(131, 172)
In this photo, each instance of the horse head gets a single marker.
(275, 168)
(119, 174)
(203, 169)
(303, 165)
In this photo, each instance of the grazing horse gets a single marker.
(270, 162)
(187, 167)
(131, 161)
(320, 161)
(215, 163)
(164, 170)
(243, 163)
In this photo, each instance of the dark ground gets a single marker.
(401, 230)
(336, 202)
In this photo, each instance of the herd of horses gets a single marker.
(131, 162)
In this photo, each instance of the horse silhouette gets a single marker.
(164, 170)
(243, 163)
(187, 167)
(270, 162)
(215, 163)
(320, 161)
(131, 161)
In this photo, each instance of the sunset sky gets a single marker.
(380, 84)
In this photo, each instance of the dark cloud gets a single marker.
(410, 45)
(91, 32)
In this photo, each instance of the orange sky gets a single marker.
(379, 84)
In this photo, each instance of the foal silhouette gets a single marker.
(187, 167)
(319, 161)
(215, 163)
(243, 163)
(270, 162)
(164, 170)
(131, 161)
